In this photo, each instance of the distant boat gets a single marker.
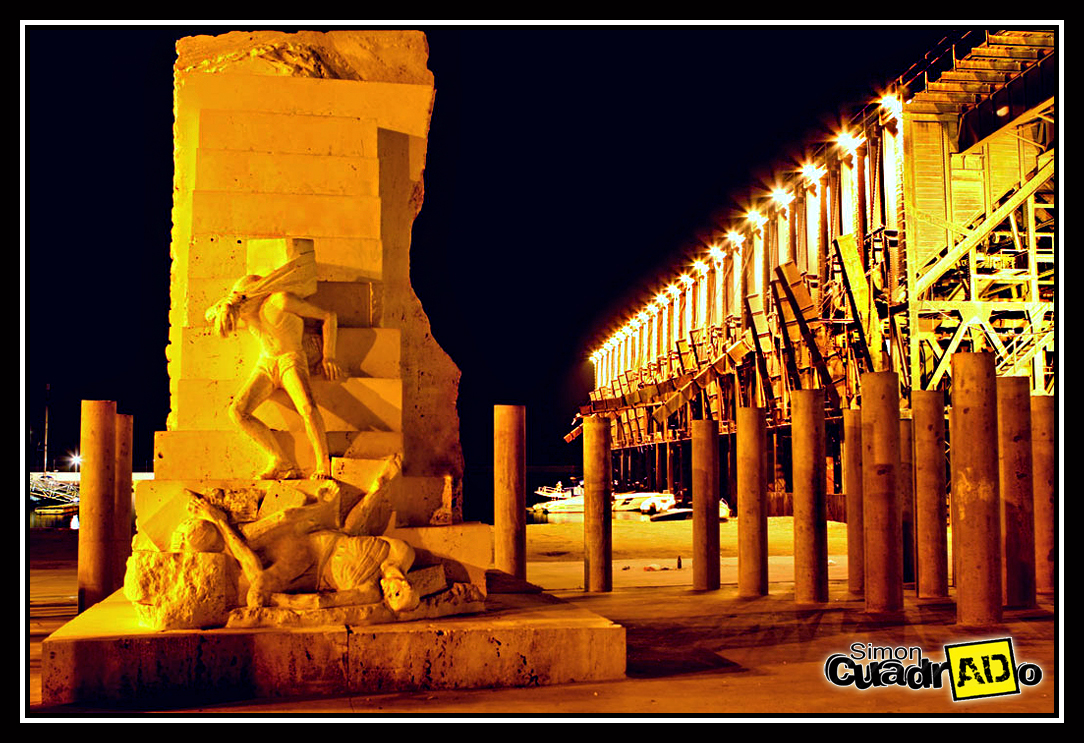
(657, 503)
(682, 514)
(558, 492)
(570, 504)
(673, 514)
(574, 503)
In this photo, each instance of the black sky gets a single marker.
(568, 170)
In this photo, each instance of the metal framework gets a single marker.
(926, 228)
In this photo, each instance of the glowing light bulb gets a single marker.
(893, 105)
(782, 196)
(813, 173)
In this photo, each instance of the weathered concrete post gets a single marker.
(122, 498)
(1015, 479)
(1044, 453)
(510, 490)
(905, 489)
(97, 491)
(705, 434)
(659, 483)
(977, 529)
(852, 488)
(597, 486)
(810, 506)
(671, 484)
(928, 419)
(880, 501)
(752, 504)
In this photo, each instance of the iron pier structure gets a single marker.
(926, 227)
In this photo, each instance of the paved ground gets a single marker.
(689, 653)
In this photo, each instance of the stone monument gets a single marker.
(309, 481)
(310, 406)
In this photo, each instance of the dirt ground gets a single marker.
(664, 539)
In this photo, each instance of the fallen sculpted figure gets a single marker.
(305, 555)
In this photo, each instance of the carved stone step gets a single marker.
(354, 404)
(360, 352)
(221, 455)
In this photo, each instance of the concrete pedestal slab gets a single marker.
(105, 656)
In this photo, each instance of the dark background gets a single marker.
(569, 170)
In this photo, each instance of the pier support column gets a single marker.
(880, 502)
(852, 489)
(1044, 453)
(705, 456)
(977, 530)
(928, 424)
(671, 485)
(510, 490)
(810, 507)
(905, 487)
(752, 504)
(1015, 479)
(597, 488)
(97, 492)
(122, 498)
(659, 483)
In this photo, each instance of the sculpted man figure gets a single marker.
(276, 318)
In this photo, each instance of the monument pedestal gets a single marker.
(104, 657)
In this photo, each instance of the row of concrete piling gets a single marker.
(105, 500)
(896, 483)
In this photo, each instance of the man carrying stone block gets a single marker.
(275, 316)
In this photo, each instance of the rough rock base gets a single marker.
(104, 656)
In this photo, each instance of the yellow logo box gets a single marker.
(980, 669)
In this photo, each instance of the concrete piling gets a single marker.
(931, 550)
(883, 537)
(1044, 452)
(705, 466)
(1015, 480)
(122, 497)
(810, 505)
(977, 529)
(905, 489)
(510, 490)
(752, 493)
(597, 487)
(97, 494)
(852, 488)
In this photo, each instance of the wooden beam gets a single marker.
(762, 364)
(863, 346)
(818, 361)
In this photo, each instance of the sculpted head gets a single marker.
(224, 313)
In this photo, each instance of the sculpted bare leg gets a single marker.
(297, 386)
(257, 389)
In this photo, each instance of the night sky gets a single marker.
(569, 171)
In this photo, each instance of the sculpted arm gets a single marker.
(250, 562)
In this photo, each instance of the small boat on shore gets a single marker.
(681, 514)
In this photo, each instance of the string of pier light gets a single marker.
(812, 173)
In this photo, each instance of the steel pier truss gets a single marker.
(928, 228)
